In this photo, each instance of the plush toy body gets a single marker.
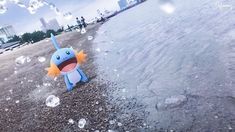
(66, 62)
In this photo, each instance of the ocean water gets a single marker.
(156, 55)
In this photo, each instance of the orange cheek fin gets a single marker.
(81, 57)
(53, 70)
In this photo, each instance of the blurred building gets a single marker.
(6, 33)
(122, 4)
(51, 25)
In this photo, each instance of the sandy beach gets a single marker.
(25, 87)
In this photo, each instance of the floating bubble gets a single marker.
(8, 98)
(41, 59)
(98, 49)
(20, 4)
(46, 84)
(78, 30)
(21, 82)
(17, 101)
(35, 4)
(30, 80)
(68, 15)
(3, 2)
(100, 108)
(167, 7)
(10, 91)
(5, 79)
(81, 123)
(89, 37)
(52, 101)
(22, 59)
(119, 124)
(111, 131)
(83, 31)
(71, 121)
(6, 109)
(15, 1)
(57, 11)
(112, 122)
(3, 9)
(15, 72)
(224, 6)
(52, 6)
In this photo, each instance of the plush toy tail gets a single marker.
(53, 70)
(81, 57)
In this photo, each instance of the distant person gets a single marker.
(83, 22)
(79, 23)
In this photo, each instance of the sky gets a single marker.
(23, 21)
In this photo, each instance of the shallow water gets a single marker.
(155, 55)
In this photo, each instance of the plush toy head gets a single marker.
(64, 59)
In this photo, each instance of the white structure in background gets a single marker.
(7, 32)
(52, 24)
(122, 4)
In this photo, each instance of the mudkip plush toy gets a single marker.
(66, 62)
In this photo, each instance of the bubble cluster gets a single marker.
(33, 6)
(68, 15)
(21, 60)
(41, 59)
(3, 9)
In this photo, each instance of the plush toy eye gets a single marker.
(57, 57)
(67, 52)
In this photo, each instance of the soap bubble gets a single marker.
(3, 9)
(21, 60)
(20, 4)
(167, 6)
(52, 101)
(3, 2)
(8, 98)
(83, 31)
(31, 10)
(98, 49)
(17, 101)
(68, 15)
(35, 4)
(15, 1)
(81, 123)
(71, 121)
(112, 122)
(52, 6)
(89, 37)
(41, 59)
(57, 11)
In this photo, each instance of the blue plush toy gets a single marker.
(66, 62)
